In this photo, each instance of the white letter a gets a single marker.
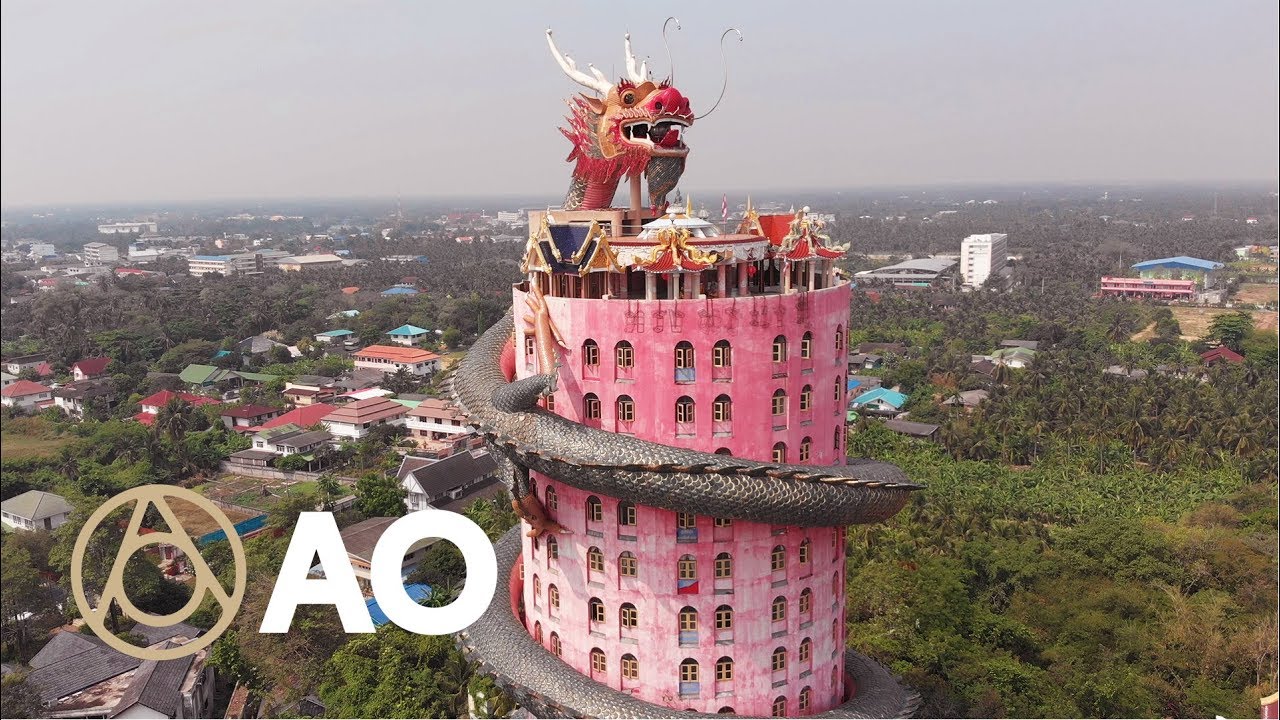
(316, 534)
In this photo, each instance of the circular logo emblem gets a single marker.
(157, 496)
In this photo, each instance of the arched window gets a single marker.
(779, 706)
(598, 664)
(779, 660)
(684, 410)
(590, 358)
(835, 632)
(840, 348)
(835, 438)
(626, 514)
(837, 389)
(726, 710)
(630, 667)
(806, 398)
(724, 566)
(778, 610)
(806, 696)
(552, 500)
(724, 672)
(724, 451)
(595, 563)
(724, 623)
(595, 510)
(778, 559)
(591, 406)
(805, 654)
(779, 407)
(806, 552)
(806, 346)
(537, 632)
(628, 617)
(686, 527)
(722, 361)
(688, 626)
(555, 644)
(686, 575)
(780, 349)
(595, 611)
(624, 358)
(530, 350)
(627, 565)
(722, 414)
(553, 600)
(806, 448)
(549, 402)
(537, 590)
(690, 678)
(553, 550)
(626, 410)
(684, 362)
(779, 452)
(806, 605)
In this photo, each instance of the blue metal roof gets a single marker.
(408, 329)
(1181, 261)
(417, 592)
(399, 291)
(893, 397)
(218, 258)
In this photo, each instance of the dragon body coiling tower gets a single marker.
(673, 408)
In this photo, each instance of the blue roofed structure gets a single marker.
(1179, 268)
(400, 291)
(416, 591)
(880, 401)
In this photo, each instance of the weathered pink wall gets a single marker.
(653, 328)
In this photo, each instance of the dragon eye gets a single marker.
(628, 98)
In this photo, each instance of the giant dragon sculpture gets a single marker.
(633, 126)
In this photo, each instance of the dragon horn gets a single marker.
(598, 84)
(634, 75)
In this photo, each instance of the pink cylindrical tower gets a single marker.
(720, 343)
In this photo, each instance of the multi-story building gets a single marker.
(127, 227)
(392, 358)
(1202, 272)
(983, 256)
(98, 254)
(40, 250)
(355, 419)
(1158, 289)
(239, 264)
(298, 263)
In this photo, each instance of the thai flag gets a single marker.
(686, 587)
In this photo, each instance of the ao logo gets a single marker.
(315, 535)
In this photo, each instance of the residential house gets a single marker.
(15, 365)
(152, 404)
(79, 676)
(74, 397)
(308, 390)
(241, 418)
(1028, 344)
(432, 422)
(354, 420)
(967, 399)
(331, 336)
(390, 359)
(855, 385)
(289, 439)
(35, 510)
(6, 379)
(1221, 354)
(359, 379)
(261, 345)
(90, 368)
(206, 376)
(430, 482)
(865, 361)
(881, 401)
(1014, 357)
(924, 431)
(408, 335)
(26, 395)
(360, 540)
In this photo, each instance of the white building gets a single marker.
(96, 254)
(392, 358)
(982, 256)
(241, 264)
(26, 395)
(127, 227)
(35, 510)
(41, 249)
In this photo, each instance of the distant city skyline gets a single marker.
(146, 103)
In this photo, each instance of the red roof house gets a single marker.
(305, 416)
(152, 403)
(1220, 354)
(90, 368)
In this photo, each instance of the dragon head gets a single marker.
(631, 126)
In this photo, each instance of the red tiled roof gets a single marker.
(396, 353)
(1221, 353)
(145, 418)
(92, 366)
(22, 388)
(44, 369)
(305, 416)
(248, 411)
(161, 398)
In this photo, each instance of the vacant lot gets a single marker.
(196, 522)
(257, 493)
(1195, 321)
(29, 437)
(1257, 293)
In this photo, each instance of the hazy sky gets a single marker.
(131, 101)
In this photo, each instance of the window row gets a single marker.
(721, 408)
(685, 356)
